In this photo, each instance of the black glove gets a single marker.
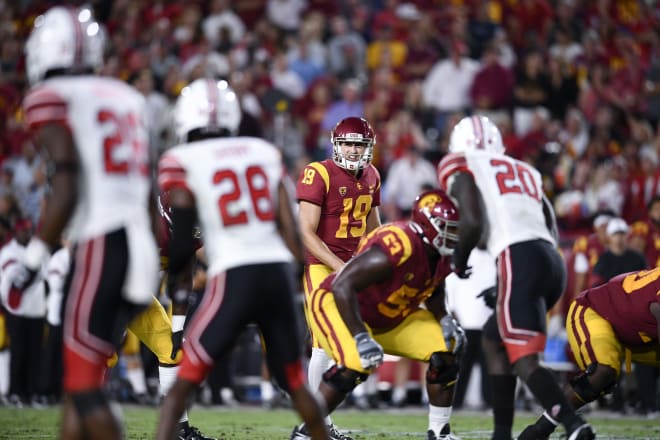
(370, 351)
(177, 340)
(23, 278)
(461, 272)
(489, 296)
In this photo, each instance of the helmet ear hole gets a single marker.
(436, 218)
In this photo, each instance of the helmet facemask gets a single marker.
(344, 160)
(445, 238)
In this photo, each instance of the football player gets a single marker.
(93, 132)
(233, 187)
(373, 305)
(162, 332)
(338, 204)
(503, 207)
(607, 324)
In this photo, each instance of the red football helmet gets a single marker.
(437, 218)
(353, 130)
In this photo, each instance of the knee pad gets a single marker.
(343, 379)
(443, 370)
(87, 402)
(583, 388)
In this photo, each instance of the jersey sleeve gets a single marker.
(313, 184)
(376, 195)
(171, 173)
(393, 241)
(449, 166)
(44, 105)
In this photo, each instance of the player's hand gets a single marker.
(453, 332)
(23, 278)
(370, 351)
(177, 341)
(489, 296)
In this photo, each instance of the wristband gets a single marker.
(177, 323)
(35, 253)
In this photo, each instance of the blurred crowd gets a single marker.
(574, 86)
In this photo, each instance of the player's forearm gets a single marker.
(349, 308)
(320, 250)
(59, 207)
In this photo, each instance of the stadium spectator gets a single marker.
(645, 237)
(447, 84)
(26, 310)
(222, 26)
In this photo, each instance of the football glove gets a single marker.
(23, 278)
(370, 351)
(177, 341)
(489, 296)
(178, 322)
(461, 272)
(452, 331)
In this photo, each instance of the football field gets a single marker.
(253, 423)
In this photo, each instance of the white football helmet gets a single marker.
(206, 104)
(475, 133)
(63, 38)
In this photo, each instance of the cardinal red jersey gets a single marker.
(345, 202)
(651, 234)
(624, 302)
(386, 304)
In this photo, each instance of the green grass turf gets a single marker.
(251, 423)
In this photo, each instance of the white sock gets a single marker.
(167, 377)
(267, 391)
(135, 377)
(4, 372)
(399, 395)
(371, 384)
(319, 363)
(438, 417)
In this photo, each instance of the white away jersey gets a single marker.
(511, 190)
(106, 119)
(234, 182)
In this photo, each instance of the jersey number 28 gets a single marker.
(257, 183)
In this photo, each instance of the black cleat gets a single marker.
(192, 433)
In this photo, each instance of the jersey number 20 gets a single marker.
(515, 179)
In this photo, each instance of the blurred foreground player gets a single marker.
(233, 187)
(92, 130)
